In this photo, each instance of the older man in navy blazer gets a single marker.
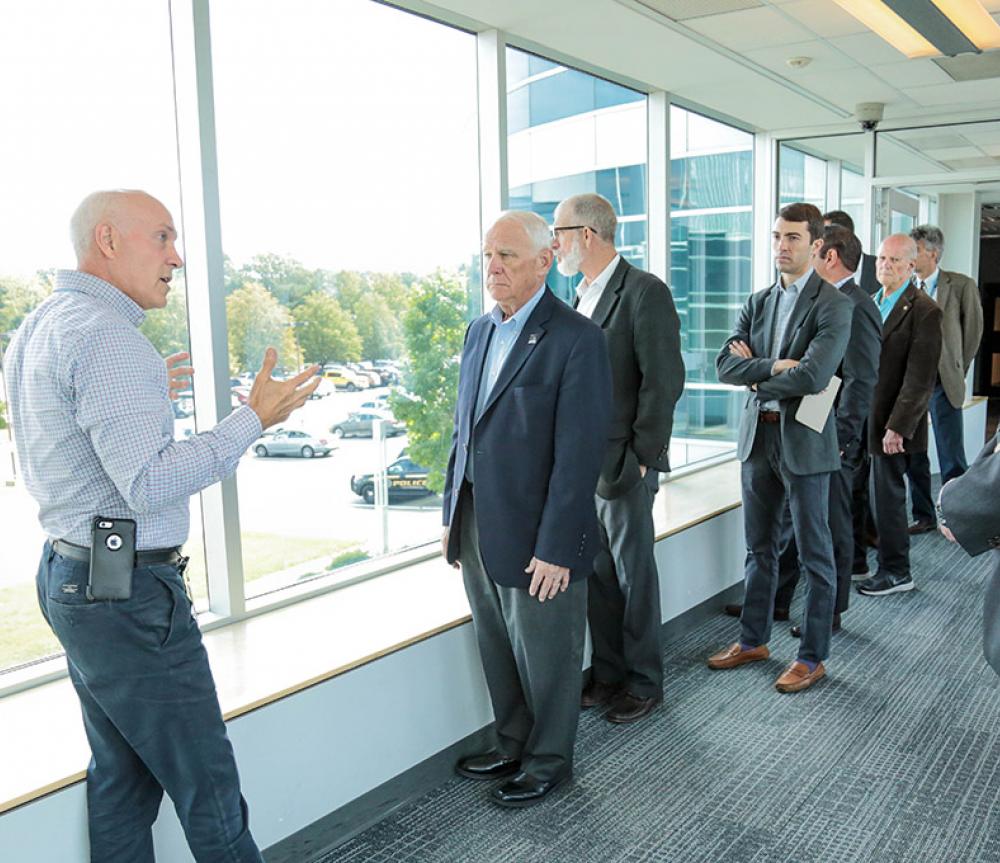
(531, 429)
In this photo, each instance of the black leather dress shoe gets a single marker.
(598, 692)
(524, 790)
(796, 630)
(489, 765)
(919, 527)
(630, 708)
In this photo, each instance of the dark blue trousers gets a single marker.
(766, 483)
(949, 437)
(151, 714)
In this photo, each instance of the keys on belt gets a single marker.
(769, 417)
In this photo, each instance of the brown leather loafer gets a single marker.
(798, 677)
(919, 527)
(734, 655)
(598, 692)
(630, 708)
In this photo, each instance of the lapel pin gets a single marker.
(533, 339)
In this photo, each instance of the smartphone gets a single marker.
(112, 558)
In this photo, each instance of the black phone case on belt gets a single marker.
(112, 558)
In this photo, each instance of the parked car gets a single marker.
(292, 442)
(359, 424)
(373, 377)
(345, 379)
(379, 403)
(406, 479)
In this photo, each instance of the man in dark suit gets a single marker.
(864, 273)
(965, 520)
(531, 429)
(788, 342)
(836, 262)
(911, 346)
(962, 328)
(642, 329)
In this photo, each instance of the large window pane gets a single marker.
(570, 132)
(801, 177)
(711, 213)
(349, 189)
(852, 197)
(59, 147)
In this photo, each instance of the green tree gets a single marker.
(378, 326)
(325, 331)
(17, 298)
(286, 278)
(433, 328)
(167, 328)
(256, 321)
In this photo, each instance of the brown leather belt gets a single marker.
(142, 558)
(769, 417)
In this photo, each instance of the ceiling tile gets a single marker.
(824, 58)
(868, 48)
(979, 162)
(681, 10)
(958, 95)
(991, 149)
(823, 17)
(850, 86)
(949, 154)
(752, 28)
(911, 73)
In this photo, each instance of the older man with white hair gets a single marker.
(531, 428)
(94, 432)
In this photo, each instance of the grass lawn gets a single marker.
(25, 636)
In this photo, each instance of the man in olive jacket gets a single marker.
(911, 347)
(642, 329)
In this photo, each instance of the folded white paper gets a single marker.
(814, 409)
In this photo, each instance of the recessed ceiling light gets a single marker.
(798, 62)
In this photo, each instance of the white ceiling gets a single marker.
(733, 62)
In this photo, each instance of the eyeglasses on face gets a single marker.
(554, 230)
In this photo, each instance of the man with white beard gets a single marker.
(636, 312)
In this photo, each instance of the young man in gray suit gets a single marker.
(965, 520)
(636, 312)
(787, 344)
(961, 330)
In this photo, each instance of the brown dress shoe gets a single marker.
(919, 527)
(735, 655)
(598, 692)
(631, 708)
(798, 676)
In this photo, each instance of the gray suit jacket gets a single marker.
(816, 335)
(967, 503)
(643, 332)
(858, 373)
(961, 330)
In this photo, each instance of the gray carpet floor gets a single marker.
(894, 758)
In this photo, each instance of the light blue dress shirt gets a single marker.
(787, 297)
(887, 304)
(93, 423)
(930, 283)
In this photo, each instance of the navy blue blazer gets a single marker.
(539, 444)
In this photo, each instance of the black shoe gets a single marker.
(524, 790)
(796, 631)
(921, 527)
(598, 692)
(489, 765)
(630, 708)
(735, 610)
(883, 584)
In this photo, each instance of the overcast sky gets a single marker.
(346, 130)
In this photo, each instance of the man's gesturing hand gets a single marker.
(178, 376)
(273, 401)
(892, 442)
(547, 579)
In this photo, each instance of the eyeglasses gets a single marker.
(555, 231)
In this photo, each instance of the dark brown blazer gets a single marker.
(907, 371)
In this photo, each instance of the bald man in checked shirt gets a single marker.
(93, 426)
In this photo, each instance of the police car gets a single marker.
(406, 479)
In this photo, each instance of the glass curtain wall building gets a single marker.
(801, 177)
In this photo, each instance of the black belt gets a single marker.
(142, 558)
(769, 416)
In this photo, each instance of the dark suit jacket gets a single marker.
(858, 373)
(640, 323)
(961, 331)
(967, 505)
(907, 371)
(538, 445)
(816, 335)
(869, 283)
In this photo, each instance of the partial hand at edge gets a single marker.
(178, 377)
(547, 579)
(946, 533)
(444, 548)
(273, 401)
(892, 442)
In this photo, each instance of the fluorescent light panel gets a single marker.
(973, 20)
(882, 20)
